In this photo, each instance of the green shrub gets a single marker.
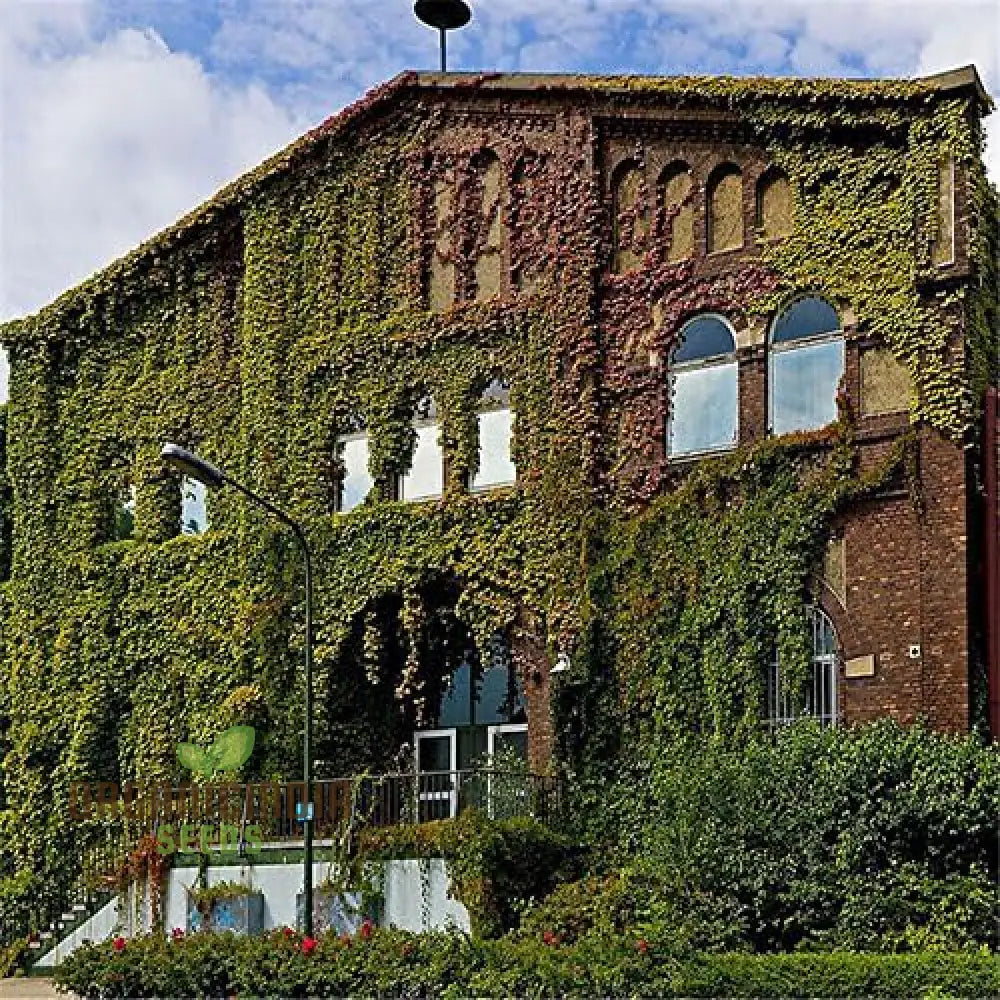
(448, 966)
(632, 903)
(494, 865)
(878, 836)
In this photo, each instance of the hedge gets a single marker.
(386, 963)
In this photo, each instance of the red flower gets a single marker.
(118, 944)
(308, 945)
(177, 933)
(642, 946)
(366, 929)
(550, 938)
(288, 932)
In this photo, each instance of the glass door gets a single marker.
(437, 791)
(508, 780)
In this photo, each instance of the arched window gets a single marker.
(353, 481)
(725, 208)
(496, 424)
(425, 478)
(677, 220)
(806, 366)
(704, 388)
(818, 699)
(630, 217)
(774, 204)
(490, 261)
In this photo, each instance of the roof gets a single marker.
(964, 80)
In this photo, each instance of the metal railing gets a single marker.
(236, 814)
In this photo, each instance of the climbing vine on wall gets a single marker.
(293, 307)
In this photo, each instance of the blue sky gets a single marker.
(118, 116)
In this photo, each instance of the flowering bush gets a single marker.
(404, 965)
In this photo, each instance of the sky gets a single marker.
(119, 116)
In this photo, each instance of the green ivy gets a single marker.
(290, 307)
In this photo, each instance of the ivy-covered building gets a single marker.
(611, 406)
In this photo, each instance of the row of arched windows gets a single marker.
(805, 368)
(667, 221)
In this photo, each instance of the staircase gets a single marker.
(80, 921)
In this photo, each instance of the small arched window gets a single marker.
(806, 366)
(704, 388)
(629, 217)
(774, 204)
(425, 478)
(490, 260)
(818, 698)
(725, 208)
(677, 207)
(353, 481)
(496, 425)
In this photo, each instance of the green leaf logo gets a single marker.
(230, 750)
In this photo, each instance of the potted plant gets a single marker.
(226, 906)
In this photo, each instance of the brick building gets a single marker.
(671, 238)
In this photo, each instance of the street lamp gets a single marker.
(445, 15)
(214, 479)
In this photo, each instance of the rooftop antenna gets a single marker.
(445, 15)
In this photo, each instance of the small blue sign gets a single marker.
(303, 811)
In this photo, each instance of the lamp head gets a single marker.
(445, 15)
(561, 664)
(192, 466)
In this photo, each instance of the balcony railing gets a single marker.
(238, 814)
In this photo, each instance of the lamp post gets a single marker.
(214, 479)
(445, 15)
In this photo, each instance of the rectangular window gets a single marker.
(425, 480)
(194, 519)
(804, 383)
(496, 468)
(355, 480)
(704, 409)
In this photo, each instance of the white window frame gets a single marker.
(491, 734)
(344, 439)
(780, 707)
(421, 423)
(695, 365)
(780, 347)
(440, 795)
(483, 408)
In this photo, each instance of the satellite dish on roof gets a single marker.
(445, 15)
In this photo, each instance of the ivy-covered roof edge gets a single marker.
(724, 90)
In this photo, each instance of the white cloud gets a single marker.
(107, 140)
(109, 133)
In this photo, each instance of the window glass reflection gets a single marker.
(496, 467)
(704, 337)
(704, 409)
(804, 384)
(194, 519)
(356, 481)
(426, 476)
(811, 317)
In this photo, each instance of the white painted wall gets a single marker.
(416, 899)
